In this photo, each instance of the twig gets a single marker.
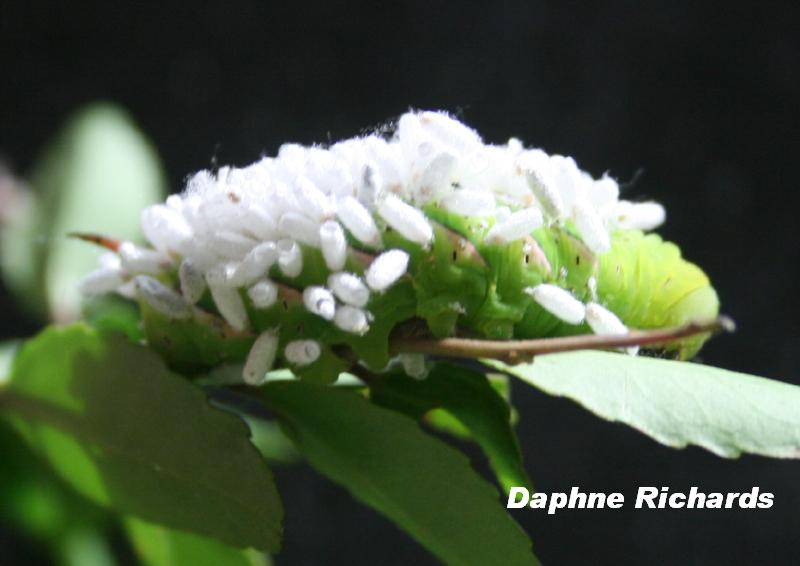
(516, 351)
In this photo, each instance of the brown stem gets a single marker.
(516, 351)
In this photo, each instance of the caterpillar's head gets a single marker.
(702, 304)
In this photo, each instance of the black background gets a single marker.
(703, 97)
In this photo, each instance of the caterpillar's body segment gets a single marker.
(331, 249)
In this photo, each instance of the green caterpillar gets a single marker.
(282, 250)
(458, 285)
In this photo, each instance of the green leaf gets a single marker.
(8, 350)
(129, 434)
(95, 176)
(271, 441)
(34, 499)
(389, 463)
(38, 503)
(84, 547)
(466, 397)
(157, 545)
(676, 403)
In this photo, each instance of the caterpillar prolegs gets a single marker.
(322, 256)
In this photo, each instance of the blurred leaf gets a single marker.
(8, 350)
(85, 547)
(95, 176)
(42, 506)
(270, 440)
(388, 462)
(129, 434)
(444, 421)
(19, 241)
(470, 405)
(676, 403)
(34, 499)
(157, 545)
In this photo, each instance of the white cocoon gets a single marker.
(469, 202)
(299, 227)
(517, 226)
(192, 282)
(333, 244)
(351, 319)
(386, 269)
(165, 228)
(590, 227)
(229, 303)
(349, 288)
(359, 221)
(290, 258)
(319, 301)
(302, 352)
(263, 294)
(558, 302)
(261, 358)
(409, 222)
(162, 298)
(100, 281)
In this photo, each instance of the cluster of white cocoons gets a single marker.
(227, 230)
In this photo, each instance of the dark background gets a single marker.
(703, 97)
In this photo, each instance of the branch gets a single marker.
(516, 351)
